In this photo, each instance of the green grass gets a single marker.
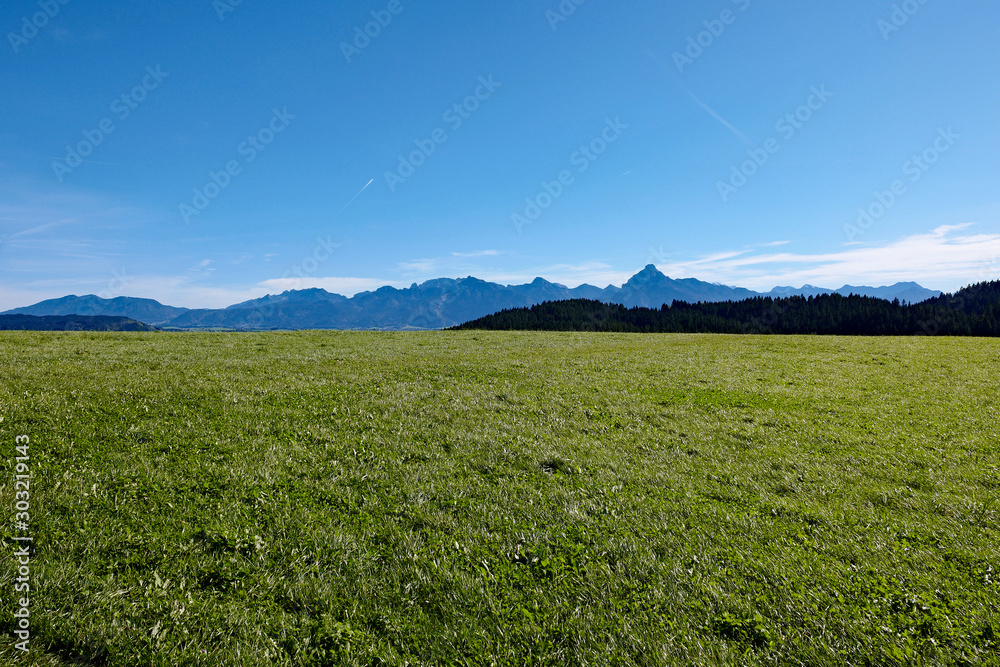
(505, 499)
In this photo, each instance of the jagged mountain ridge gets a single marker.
(435, 304)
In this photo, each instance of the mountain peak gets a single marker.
(648, 275)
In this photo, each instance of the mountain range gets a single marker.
(435, 304)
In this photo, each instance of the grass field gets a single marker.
(504, 499)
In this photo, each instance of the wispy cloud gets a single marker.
(419, 266)
(941, 259)
(718, 257)
(39, 229)
(481, 253)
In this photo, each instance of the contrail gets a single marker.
(711, 112)
(62, 159)
(355, 196)
(704, 106)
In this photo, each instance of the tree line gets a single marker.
(973, 311)
(70, 323)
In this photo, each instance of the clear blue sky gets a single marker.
(665, 121)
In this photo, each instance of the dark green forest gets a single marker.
(973, 311)
(70, 323)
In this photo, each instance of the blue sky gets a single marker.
(202, 153)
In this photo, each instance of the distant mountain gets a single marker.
(298, 296)
(435, 304)
(651, 289)
(908, 292)
(70, 323)
(143, 310)
(810, 290)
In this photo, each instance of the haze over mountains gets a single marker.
(435, 304)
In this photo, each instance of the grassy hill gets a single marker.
(511, 499)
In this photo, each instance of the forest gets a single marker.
(972, 311)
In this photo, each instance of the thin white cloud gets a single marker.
(718, 257)
(481, 253)
(419, 266)
(39, 229)
(940, 259)
(453, 264)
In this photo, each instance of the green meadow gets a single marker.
(475, 498)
